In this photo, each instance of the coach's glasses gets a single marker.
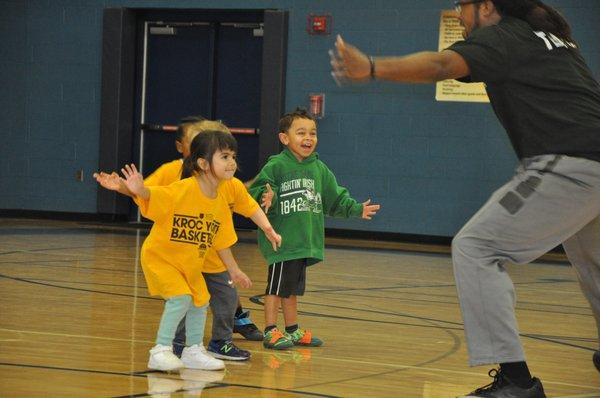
(459, 3)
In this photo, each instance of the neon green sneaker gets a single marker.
(276, 340)
(304, 337)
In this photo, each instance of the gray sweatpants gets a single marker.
(552, 199)
(223, 303)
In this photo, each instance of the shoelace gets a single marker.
(494, 385)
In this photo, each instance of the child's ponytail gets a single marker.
(189, 168)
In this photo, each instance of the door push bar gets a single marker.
(171, 129)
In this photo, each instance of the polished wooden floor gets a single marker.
(76, 321)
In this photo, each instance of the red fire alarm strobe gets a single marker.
(319, 24)
(317, 105)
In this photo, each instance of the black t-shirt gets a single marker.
(539, 86)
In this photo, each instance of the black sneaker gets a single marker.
(228, 351)
(597, 359)
(244, 326)
(502, 387)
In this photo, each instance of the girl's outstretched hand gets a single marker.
(239, 278)
(133, 180)
(110, 181)
(267, 198)
(273, 237)
(369, 210)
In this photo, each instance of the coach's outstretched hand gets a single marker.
(348, 63)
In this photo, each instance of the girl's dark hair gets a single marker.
(538, 15)
(286, 120)
(204, 146)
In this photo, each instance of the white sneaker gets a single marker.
(162, 358)
(196, 357)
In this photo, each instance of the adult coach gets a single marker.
(549, 103)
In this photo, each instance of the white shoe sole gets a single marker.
(220, 366)
(152, 366)
(226, 358)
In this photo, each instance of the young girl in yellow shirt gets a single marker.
(226, 308)
(190, 216)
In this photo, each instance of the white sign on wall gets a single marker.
(453, 90)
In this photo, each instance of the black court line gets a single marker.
(455, 347)
(455, 302)
(23, 365)
(87, 283)
(256, 300)
(405, 286)
(77, 288)
(219, 385)
(143, 374)
(50, 264)
(135, 270)
(5, 231)
(46, 249)
(410, 286)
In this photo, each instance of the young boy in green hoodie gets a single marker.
(297, 190)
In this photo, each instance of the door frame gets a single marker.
(118, 102)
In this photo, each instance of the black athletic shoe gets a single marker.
(178, 348)
(244, 326)
(227, 350)
(597, 359)
(502, 387)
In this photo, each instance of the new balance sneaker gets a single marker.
(276, 340)
(227, 350)
(597, 359)
(502, 387)
(163, 359)
(196, 357)
(243, 325)
(304, 337)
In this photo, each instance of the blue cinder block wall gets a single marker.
(430, 164)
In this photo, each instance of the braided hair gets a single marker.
(538, 15)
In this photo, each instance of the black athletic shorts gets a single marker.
(287, 278)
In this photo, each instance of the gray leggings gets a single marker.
(552, 199)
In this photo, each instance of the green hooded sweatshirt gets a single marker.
(304, 192)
